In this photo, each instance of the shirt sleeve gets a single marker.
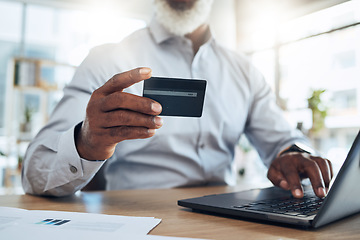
(266, 127)
(52, 165)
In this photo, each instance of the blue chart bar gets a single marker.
(54, 221)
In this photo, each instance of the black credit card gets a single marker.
(177, 96)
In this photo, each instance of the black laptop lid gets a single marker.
(343, 198)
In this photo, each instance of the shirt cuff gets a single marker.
(298, 147)
(68, 165)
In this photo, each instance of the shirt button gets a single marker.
(73, 169)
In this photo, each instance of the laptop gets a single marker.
(278, 206)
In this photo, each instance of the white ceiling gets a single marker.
(237, 16)
(135, 8)
(286, 8)
(246, 8)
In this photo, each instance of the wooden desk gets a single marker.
(177, 221)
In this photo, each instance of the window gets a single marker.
(317, 52)
(10, 37)
(53, 36)
(59, 34)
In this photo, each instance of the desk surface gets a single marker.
(177, 221)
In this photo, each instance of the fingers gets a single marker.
(126, 116)
(122, 100)
(129, 118)
(123, 80)
(286, 176)
(325, 168)
(277, 178)
(312, 170)
(121, 133)
(331, 169)
(113, 116)
(99, 144)
(286, 172)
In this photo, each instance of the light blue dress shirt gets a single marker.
(185, 151)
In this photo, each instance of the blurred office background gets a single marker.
(308, 50)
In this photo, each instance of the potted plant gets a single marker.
(28, 113)
(319, 111)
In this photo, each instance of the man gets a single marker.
(101, 120)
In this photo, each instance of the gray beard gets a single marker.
(182, 22)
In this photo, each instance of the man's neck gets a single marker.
(200, 36)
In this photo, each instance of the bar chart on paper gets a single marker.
(55, 222)
(58, 225)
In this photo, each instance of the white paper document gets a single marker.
(23, 224)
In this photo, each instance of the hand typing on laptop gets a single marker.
(287, 170)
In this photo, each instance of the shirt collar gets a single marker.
(159, 33)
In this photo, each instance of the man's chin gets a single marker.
(182, 22)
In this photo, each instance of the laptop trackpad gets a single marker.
(263, 194)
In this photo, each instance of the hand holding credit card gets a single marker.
(178, 97)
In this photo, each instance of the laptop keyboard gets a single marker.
(304, 207)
